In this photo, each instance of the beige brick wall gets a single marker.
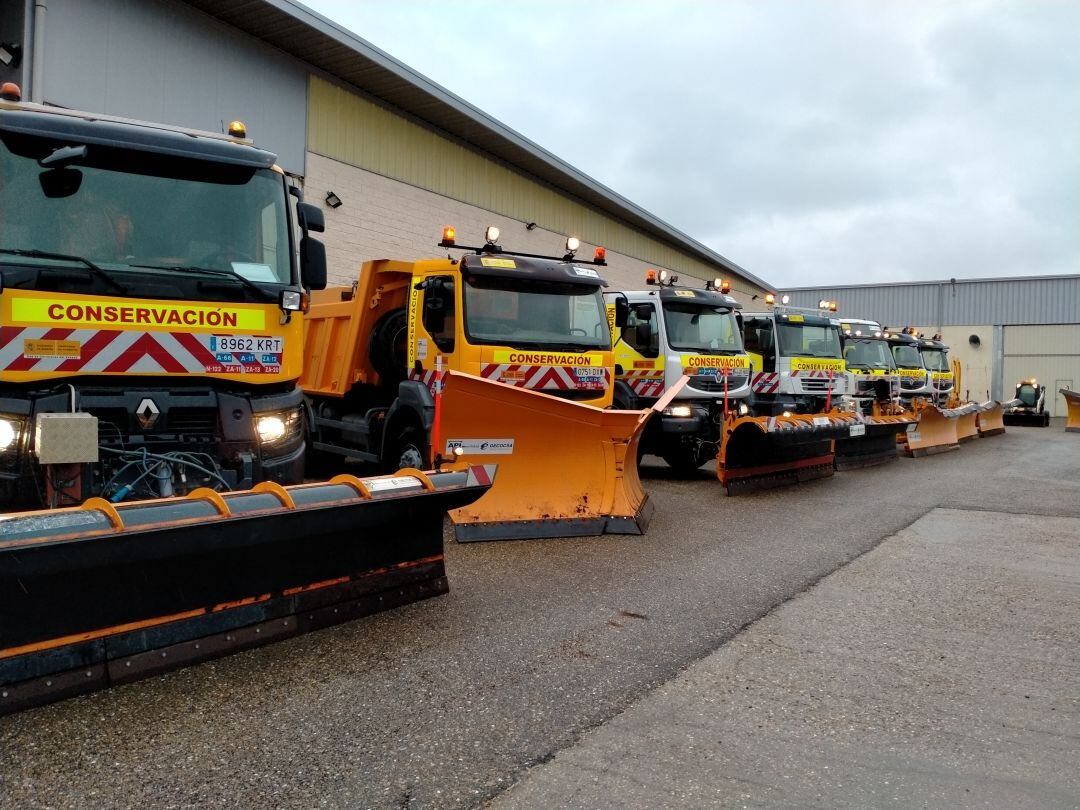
(381, 218)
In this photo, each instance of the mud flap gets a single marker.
(565, 469)
(765, 452)
(104, 594)
(935, 432)
(873, 444)
(1072, 402)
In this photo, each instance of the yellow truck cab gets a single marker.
(871, 370)
(151, 280)
(914, 378)
(672, 331)
(796, 359)
(374, 350)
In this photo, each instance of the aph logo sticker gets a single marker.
(479, 447)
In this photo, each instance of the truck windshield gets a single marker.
(808, 340)
(701, 328)
(906, 357)
(867, 353)
(935, 360)
(133, 212)
(553, 315)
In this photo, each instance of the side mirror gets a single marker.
(622, 311)
(312, 263)
(310, 217)
(58, 183)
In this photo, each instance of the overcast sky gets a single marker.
(810, 142)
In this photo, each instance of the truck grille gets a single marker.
(707, 382)
(814, 385)
(910, 384)
(186, 425)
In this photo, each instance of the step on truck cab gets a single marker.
(151, 281)
(796, 361)
(672, 331)
(914, 378)
(870, 367)
(374, 350)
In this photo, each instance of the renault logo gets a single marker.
(148, 413)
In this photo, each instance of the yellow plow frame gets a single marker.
(1072, 401)
(565, 469)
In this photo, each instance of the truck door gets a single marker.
(637, 352)
(433, 321)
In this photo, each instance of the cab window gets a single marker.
(439, 312)
(640, 332)
(758, 338)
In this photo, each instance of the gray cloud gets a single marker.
(819, 142)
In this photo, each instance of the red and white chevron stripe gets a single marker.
(107, 351)
(766, 382)
(541, 378)
(648, 383)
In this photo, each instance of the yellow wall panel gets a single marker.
(346, 127)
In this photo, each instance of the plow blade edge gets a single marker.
(1072, 401)
(104, 594)
(991, 418)
(764, 452)
(565, 469)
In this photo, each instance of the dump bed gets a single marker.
(339, 326)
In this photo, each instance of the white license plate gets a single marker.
(247, 343)
(857, 430)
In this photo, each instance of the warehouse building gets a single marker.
(1001, 329)
(392, 156)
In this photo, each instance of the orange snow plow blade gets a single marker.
(991, 418)
(764, 452)
(935, 432)
(967, 427)
(565, 469)
(1072, 400)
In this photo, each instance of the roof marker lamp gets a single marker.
(572, 244)
(9, 91)
(650, 276)
(785, 299)
(449, 236)
(823, 304)
(237, 129)
(491, 235)
(600, 255)
(833, 306)
(770, 299)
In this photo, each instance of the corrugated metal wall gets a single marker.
(162, 61)
(346, 127)
(1052, 300)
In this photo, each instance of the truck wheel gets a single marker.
(410, 449)
(684, 458)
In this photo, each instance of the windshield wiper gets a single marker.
(266, 295)
(66, 257)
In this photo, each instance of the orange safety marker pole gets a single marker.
(725, 391)
(436, 427)
(828, 393)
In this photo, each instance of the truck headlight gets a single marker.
(680, 411)
(744, 409)
(277, 426)
(10, 431)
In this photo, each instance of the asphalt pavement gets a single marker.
(448, 702)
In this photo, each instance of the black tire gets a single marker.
(388, 348)
(408, 449)
(684, 458)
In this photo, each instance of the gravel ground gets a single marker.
(445, 703)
